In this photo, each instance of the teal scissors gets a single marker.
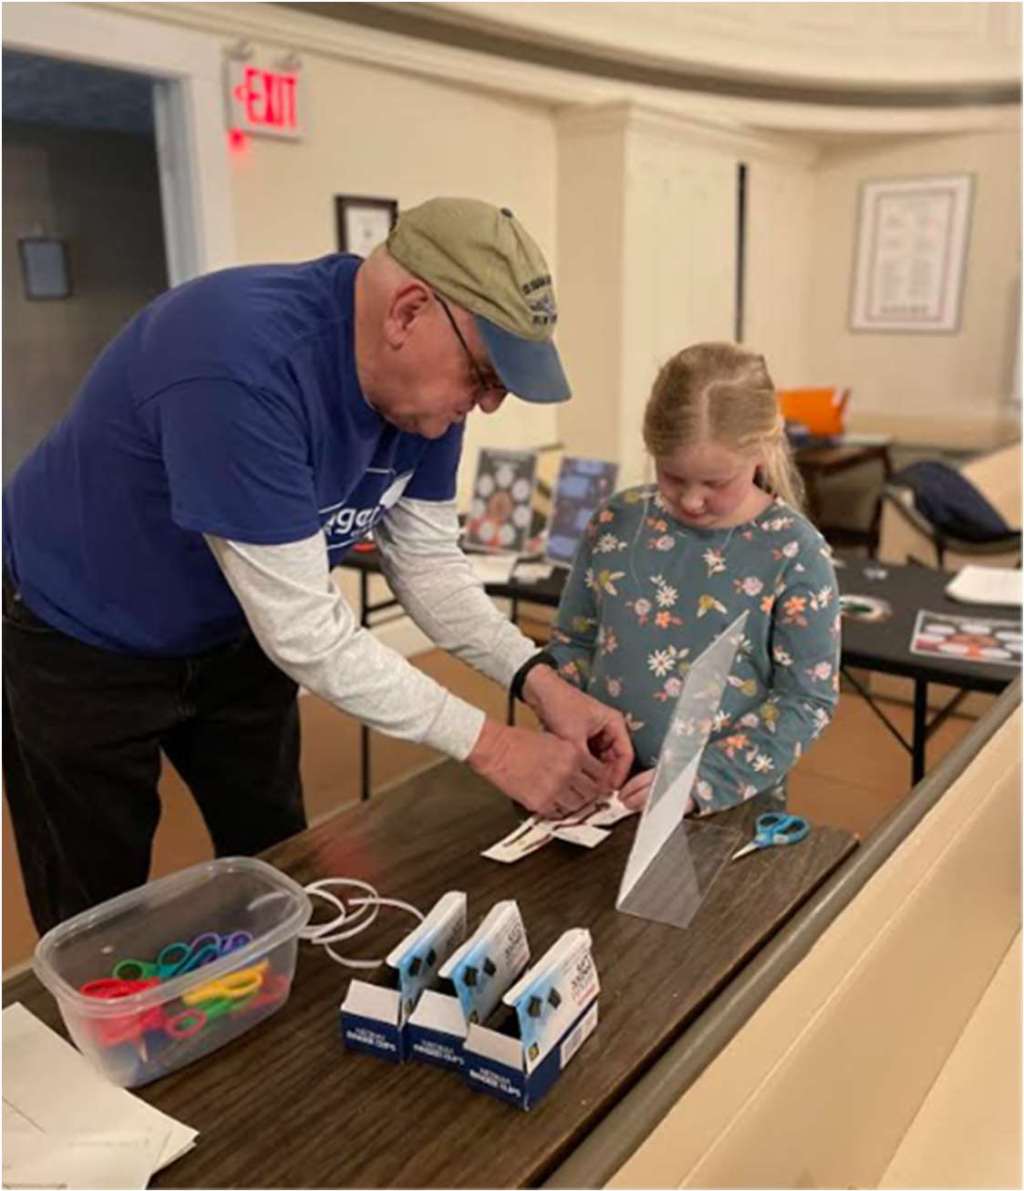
(177, 958)
(773, 829)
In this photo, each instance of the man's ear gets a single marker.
(409, 302)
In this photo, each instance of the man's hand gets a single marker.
(547, 775)
(580, 719)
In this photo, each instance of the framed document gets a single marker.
(911, 249)
(363, 223)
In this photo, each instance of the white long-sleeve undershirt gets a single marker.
(307, 628)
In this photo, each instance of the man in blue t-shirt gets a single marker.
(167, 550)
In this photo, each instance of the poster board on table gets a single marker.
(581, 487)
(502, 503)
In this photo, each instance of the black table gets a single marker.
(883, 647)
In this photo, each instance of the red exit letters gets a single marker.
(268, 99)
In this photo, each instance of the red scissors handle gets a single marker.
(110, 988)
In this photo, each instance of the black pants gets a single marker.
(83, 729)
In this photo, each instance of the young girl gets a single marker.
(663, 569)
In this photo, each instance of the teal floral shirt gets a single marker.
(647, 594)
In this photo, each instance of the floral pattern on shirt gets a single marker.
(647, 594)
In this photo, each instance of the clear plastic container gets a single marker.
(163, 1013)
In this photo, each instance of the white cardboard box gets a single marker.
(473, 981)
(552, 1011)
(375, 1013)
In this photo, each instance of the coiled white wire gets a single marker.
(348, 923)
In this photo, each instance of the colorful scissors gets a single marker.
(111, 988)
(178, 958)
(113, 1031)
(235, 940)
(134, 970)
(774, 829)
(189, 1022)
(233, 987)
(274, 990)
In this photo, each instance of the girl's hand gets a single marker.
(634, 793)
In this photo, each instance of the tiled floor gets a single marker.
(852, 777)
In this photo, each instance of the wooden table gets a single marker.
(287, 1106)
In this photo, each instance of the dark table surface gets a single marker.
(287, 1106)
(885, 646)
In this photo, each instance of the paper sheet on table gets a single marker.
(986, 585)
(587, 828)
(493, 568)
(48, 1083)
(111, 1161)
(533, 572)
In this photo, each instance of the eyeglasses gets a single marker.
(485, 383)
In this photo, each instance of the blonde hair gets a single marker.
(720, 393)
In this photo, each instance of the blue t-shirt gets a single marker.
(230, 406)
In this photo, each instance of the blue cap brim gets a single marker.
(528, 368)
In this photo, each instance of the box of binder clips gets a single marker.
(470, 1005)
(472, 982)
(545, 1017)
(375, 1013)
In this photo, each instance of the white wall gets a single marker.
(389, 116)
(779, 265)
(963, 377)
(680, 252)
(372, 131)
(647, 250)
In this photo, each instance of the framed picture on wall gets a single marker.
(44, 268)
(912, 239)
(363, 223)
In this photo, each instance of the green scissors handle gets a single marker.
(136, 969)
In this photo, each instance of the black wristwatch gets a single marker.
(539, 659)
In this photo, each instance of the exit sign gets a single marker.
(263, 101)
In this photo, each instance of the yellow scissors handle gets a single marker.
(234, 986)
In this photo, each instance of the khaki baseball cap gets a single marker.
(482, 258)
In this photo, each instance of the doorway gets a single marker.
(80, 180)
